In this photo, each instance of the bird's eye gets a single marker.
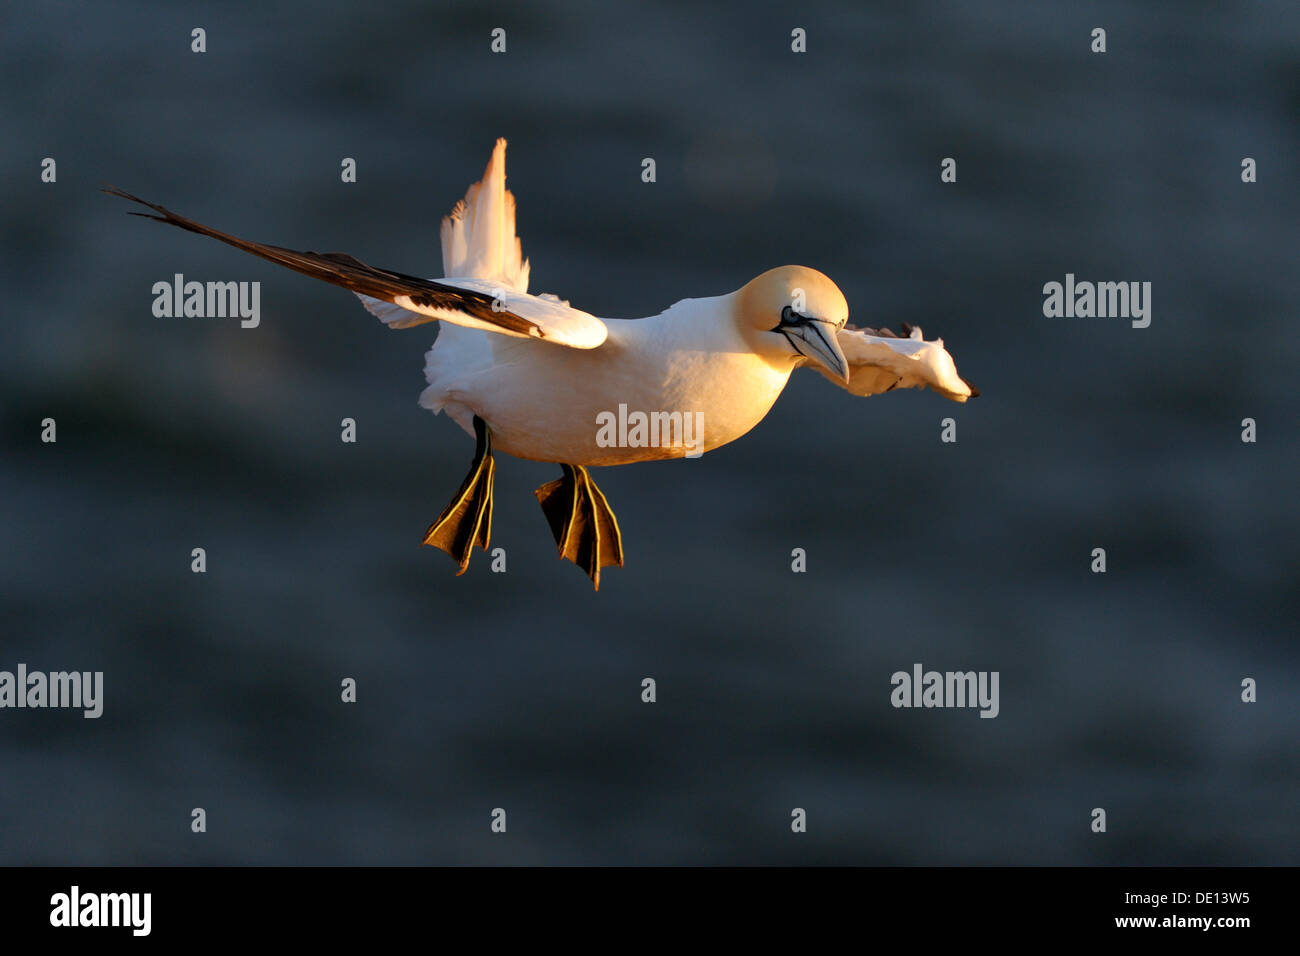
(790, 317)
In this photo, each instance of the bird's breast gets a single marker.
(633, 399)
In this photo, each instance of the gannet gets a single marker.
(532, 376)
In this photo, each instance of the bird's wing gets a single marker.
(561, 322)
(880, 361)
(478, 237)
(468, 302)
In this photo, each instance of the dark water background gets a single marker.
(522, 690)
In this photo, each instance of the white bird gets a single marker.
(536, 378)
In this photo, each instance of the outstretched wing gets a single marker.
(471, 303)
(562, 323)
(880, 361)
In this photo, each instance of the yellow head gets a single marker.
(792, 314)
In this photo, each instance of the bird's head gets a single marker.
(792, 314)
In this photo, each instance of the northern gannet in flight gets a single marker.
(533, 376)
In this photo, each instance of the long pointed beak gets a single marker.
(817, 340)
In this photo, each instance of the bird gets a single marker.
(536, 378)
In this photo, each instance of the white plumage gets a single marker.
(541, 396)
(537, 378)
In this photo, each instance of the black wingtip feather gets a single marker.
(351, 273)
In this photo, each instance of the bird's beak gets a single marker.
(817, 340)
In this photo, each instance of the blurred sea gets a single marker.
(522, 690)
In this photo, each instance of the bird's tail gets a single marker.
(478, 238)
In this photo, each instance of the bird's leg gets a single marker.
(467, 521)
(581, 520)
